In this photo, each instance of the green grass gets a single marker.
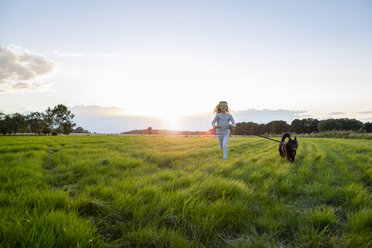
(178, 192)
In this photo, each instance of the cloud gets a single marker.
(68, 54)
(267, 115)
(30, 86)
(305, 116)
(21, 69)
(365, 112)
(366, 119)
(94, 110)
(79, 54)
(109, 120)
(115, 120)
(336, 113)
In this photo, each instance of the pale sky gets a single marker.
(171, 59)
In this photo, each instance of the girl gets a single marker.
(223, 118)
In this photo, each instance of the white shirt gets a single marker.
(223, 121)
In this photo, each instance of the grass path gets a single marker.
(178, 192)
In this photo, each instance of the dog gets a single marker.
(288, 149)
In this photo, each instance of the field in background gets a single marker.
(177, 192)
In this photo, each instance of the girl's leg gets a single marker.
(220, 139)
(224, 145)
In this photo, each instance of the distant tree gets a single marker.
(297, 126)
(62, 119)
(368, 127)
(149, 129)
(329, 125)
(46, 129)
(246, 128)
(17, 123)
(262, 129)
(48, 120)
(4, 126)
(251, 128)
(310, 125)
(277, 127)
(351, 124)
(34, 122)
(340, 124)
(80, 130)
(67, 127)
(280, 127)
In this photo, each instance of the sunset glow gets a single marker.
(173, 60)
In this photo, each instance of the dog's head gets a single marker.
(293, 145)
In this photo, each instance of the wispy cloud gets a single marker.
(21, 69)
(68, 54)
(80, 54)
(365, 112)
(108, 120)
(30, 86)
(104, 55)
(267, 115)
(336, 113)
(367, 119)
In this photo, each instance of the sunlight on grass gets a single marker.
(178, 192)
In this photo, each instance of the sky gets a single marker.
(169, 63)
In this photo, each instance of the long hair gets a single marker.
(218, 110)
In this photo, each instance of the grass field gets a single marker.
(178, 192)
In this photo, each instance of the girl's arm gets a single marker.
(232, 120)
(214, 122)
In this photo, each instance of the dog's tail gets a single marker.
(286, 135)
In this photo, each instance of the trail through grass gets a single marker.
(178, 192)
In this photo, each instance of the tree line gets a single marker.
(308, 125)
(51, 122)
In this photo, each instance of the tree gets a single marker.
(35, 122)
(261, 129)
(57, 120)
(340, 124)
(351, 124)
(297, 126)
(310, 125)
(277, 127)
(368, 127)
(17, 123)
(80, 130)
(246, 128)
(62, 119)
(48, 119)
(4, 125)
(149, 129)
(280, 127)
(329, 125)
(67, 127)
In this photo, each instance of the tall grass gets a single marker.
(339, 135)
(178, 192)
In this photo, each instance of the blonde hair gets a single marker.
(218, 110)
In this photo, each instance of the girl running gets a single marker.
(223, 119)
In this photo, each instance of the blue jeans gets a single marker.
(223, 139)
